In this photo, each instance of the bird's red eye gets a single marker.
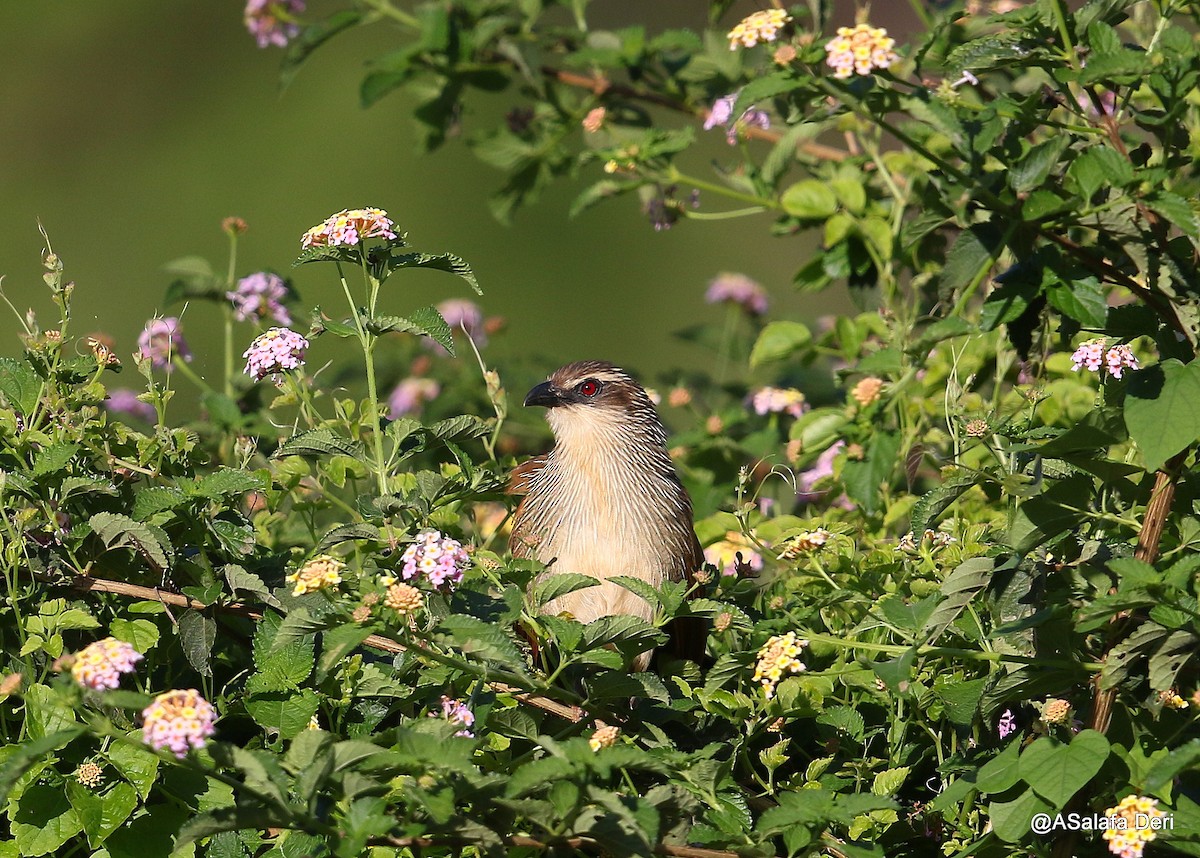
(589, 387)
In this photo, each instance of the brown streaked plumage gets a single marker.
(606, 500)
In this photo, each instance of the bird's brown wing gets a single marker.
(519, 541)
(689, 635)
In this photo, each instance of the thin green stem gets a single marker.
(367, 341)
(675, 176)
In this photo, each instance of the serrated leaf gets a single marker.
(959, 588)
(337, 644)
(20, 386)
(226, 481)
(197, 634)
(155, 499)
(287, 712)
(474, 637)
(317, 443)
(447, 262)
(933, 503)
(141, 634)
(1169, 659)
(556, 584)
(117, 530)
(52, 459)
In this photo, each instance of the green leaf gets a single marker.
(1001, 772)
(226, 481)
(447, 262)
(1049, 514)
(959, 588)
(102, 815)
(317, 443)
(1097, 167)
(809, 199)
(1056, 771)
(53, 459)
(117, 530)
(889, 782)
(1162, 409)
(778, 341)
(142, 634)
(155, 499)
(287, 712)
(43, 821)
(151, 834)
(1031, 171)
(309, 39)
(1082, 300)
(337, 644)
(932, 504)
(1177, 210)
(961, 699)
(1011, 819)
(556, 584)
(136, 764)
(197, 634)
(864, 480)
(1168, 660)
(20, 386)
(29, 752)
(473, 636)
(974, 249)
(252, 816)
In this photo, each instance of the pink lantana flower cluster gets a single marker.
(732, 288)
(439, 559)
(456, 712)
(161, 340)
(761, 26)
(271, 22)
(1093, 354)
(178, 720)
(259, 296)
(722, 114)
(99, 666)
(859, 50)
(776, 400)
(350, 227)
(273, 352)
(410, 394)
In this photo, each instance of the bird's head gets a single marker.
(590, 397)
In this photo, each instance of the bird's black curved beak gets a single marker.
(544, 394)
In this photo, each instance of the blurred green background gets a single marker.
(131, 129)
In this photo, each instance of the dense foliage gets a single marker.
(951, 589)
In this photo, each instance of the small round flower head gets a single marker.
(234, 226)
(776, 400)
(802, 543)
(439, 559)
(723, 621)
(679, 397)
(122, 400)
(410, 394)
(1006, 725)
(162, 340)
(461, 314)
(178, 720)
(274, 351)
(259, 296)
(977, 429)
(361, 614)
(350, 227)
(89, 774)
(99, 665)
(319, 573)
(1090, 355)
(761, 26)
(456, 712)
(859, 50)
(10, 685)
(734, 555)
(1056, 711)
(732, 288)
(271, 22)
(1132, 825)
(404, 599)
(1120, 358)
(721, 114)
(605, 736)
(1170, 699)
(778, 656)
(910, 543)
(867, 390)
(594, 121)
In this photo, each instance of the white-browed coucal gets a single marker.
(606, 500)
